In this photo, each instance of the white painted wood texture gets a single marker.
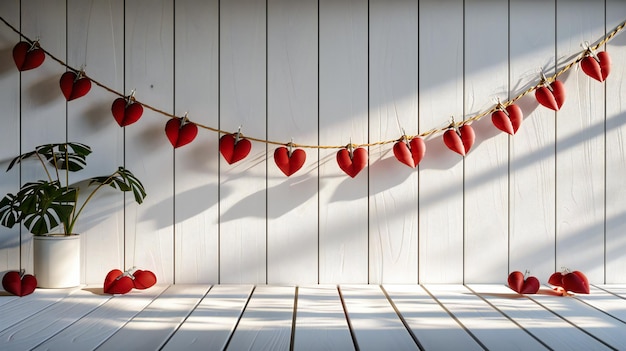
(10, 133)
(327, 73)
(317, 317)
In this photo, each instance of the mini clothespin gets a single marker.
(544, 80)
(238, 135)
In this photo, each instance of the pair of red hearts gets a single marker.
(565, 281)
(118, 282)
(19, 283)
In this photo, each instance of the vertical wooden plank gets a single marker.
(580, 147)
(196, 165)
(343, 106)
(441, 171)
(44, 117)
(532, 149)
(486, 167)
(393, 107)
(266, 322)
(95, 42)
(10, 132)
(243, 193)
(148, 67)
(292, 112)
(615, 187)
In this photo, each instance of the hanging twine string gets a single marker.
(426, 134)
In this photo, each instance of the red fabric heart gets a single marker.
(508, 120)
(179, 133)
(597, 70)
(576, 282)
(74, 86)
(410, 154)
(234, 150)
(460, 144)
(352, 166)
(27, 56)
(289, 164)
(552, 99)
(521, 285)
(17, 284)
(116, 282)
(125, 112)
(144, 279)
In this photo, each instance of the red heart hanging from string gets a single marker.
(234, 147)
(28, 56)
(523, 285)
(596, 66)
(180, 131)
(117, 282)
(508, 119)
(18, 283)
(410, 152)
(289, 161)
(74, 85)
(352, 161)
(551, 96)
(143, 279)
(460, 140)
(126, 111)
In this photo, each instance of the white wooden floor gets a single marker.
(363, 317)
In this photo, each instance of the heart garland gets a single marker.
(18, 283)
(596, 66)
(74, 85)
(508, 119)
(351, 160)
(289, 161)
(180, 131)
(459, 140)
(410, 152)
(234, 147)
(522, 283)
(119, 283)
(28, 56)
(552, 95)
(126, 111)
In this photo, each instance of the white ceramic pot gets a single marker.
(57, 260)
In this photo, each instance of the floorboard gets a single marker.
(320, 320)
(212, 323)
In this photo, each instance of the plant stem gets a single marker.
(75, 217)
(43, 164)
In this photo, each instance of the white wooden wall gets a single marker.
(323, 73)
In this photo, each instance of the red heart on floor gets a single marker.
(234, 150)
(179, 133)
(556, 279)
(19, 284)
(518, 283)
(289, 164)
(576, 282)
(116, 282)
(410, 154)
(509, 119)
(462, 143)
(28, 56)
(553, 97)
(594, 69)
(144, 279)
(74, 86)
(126, 112)
(352, 165)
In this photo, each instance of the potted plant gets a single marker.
(52, 204)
